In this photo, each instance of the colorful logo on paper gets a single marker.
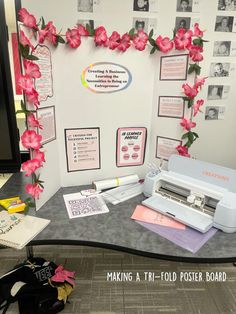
(106, 77)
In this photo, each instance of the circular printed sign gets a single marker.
(106, 77)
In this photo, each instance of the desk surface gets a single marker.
(116, 230)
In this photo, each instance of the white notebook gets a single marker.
(16, 230)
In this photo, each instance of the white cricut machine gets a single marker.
(197, 193)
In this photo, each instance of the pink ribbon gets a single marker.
(62, 275)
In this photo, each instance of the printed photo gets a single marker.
(215, 92)
(224, 23)
(141, 5)
(219, 69)
(140, 24)
(221, 48)
(215, 113)
(182, 22)
(211, 113)
(184, 6)
(85, 5)
(226, 5)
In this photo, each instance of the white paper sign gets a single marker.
(106, 77)
(171, 106)
(46, 117)
(165, 147)
(174, 68)
(43, 84)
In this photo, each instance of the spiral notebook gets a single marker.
(16, 230)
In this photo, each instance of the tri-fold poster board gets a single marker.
(106, 113)
(100, 124)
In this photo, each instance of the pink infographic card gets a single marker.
(131, 143)
(145, 214)
(82, 149)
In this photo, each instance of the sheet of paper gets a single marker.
(145, 214)
(131, 144)
(171, 107)
(165, 147)
(46, 117)
(187, 6)
(174, 68)
(224, 48)
(82, 206)
(44, 84)
(189, 239)
(82, 149)
(215, 112)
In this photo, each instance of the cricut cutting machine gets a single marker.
(197, 193)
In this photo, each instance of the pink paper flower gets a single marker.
(164, 44)
(200, 81)
(113, 41)
(30, 139)
(33, 189)
(100, 36)
(189, 91)
(24, 40)
(195, 53)
(183, 150)
(27, 19)
(42, 34)
(187, 124)
(82, 30)
(197, 32)
(49, 33)
(26, 83)
(31, 69)
(124, 42)
(33, 98)
(196, 106)
(183, 39)
(140, 40)
(39, 155)
(33, 122)
(62, 275)
(30, 166)
(73, 37)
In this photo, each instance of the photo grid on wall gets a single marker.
(222, 64)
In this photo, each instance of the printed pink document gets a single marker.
(145, 214)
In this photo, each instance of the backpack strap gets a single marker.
(5, 307)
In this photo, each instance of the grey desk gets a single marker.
(116, 230)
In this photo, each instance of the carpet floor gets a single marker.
(111, 282)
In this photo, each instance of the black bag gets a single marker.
(28, 284)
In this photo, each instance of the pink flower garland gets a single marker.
(182, 40)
